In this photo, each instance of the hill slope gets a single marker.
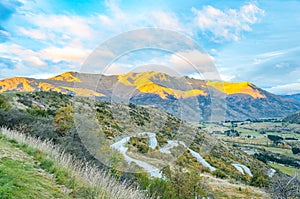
(48, 115)
(239, 101)
(31, 168)
(293, 118)
(19, 172)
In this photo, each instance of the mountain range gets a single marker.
(293, 96)
(235, 100)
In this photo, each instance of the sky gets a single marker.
(254, 41)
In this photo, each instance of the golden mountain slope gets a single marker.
(17, 84)
(30, 85)
(145, 82)
(67, 77)
(230, 88)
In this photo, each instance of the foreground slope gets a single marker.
(31, 168)
(239, 100)
(19, 173)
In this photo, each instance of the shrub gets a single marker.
(63, 119)
(275, 138)
(219, 174)
(295, 150)
(259, 180)
(4, 102)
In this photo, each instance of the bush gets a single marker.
(219, 174)
(295, 150)
(4, 102)
(39, 112)
(275, 138)
(259, 180)
(63, 119)
(14, 117)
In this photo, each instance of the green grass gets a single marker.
(31, 168)
(286, 170)
(22, 177)
(287, 152)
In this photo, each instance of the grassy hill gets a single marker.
(32, 168)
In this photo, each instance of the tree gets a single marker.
(63, 119)
(295, 150)
(185, 184)
(285, 187)
(275, 138)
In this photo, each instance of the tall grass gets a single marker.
(106, 185)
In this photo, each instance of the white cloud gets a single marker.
(34, 61)
(227, 78)
(70, 54)
(206, 76)
(43, 75)
(37, 58)
(4, 33)
(70, 25)
(167, 20)
(182, 63)
(116, 69)
(114, 8)
(282, 65)
(286, 89)
(229, 24)
(33, 33)
(27, 56)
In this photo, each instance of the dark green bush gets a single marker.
(4, 102)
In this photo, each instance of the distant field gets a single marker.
(287, 170)
(287, 152)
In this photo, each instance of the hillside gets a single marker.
(237, 100)
(155, 138)
(19, 172)
(293, 96)
(32, 168)
(293, 118)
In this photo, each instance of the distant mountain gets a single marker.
(239, 100)
(293, 96)
(293, 118)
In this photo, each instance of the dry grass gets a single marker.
(224, 188)
(106, 185)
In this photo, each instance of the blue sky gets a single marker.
(255, 41)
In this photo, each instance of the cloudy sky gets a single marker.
(255, 41)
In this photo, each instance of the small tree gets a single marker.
(63, 119)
